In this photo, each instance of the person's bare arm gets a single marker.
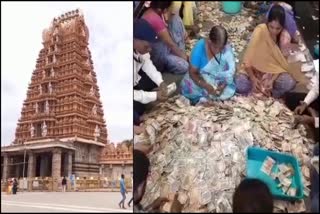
(198, 80)
(166, 38)
(249, 71)
(196, 77)
(255, 81)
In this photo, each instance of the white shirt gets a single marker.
(316, 122)
(314, 92)
(144, 62)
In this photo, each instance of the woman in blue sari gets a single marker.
(212, 68)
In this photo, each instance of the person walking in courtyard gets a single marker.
(14, 186)
(132, 191)
(64, 184)
(123, 192)
(9, 189)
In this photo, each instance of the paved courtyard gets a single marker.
(63, 202)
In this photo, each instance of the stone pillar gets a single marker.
(43, 165)
(56, 168)
(69, 169)
(47, 161)
(31, 169)
(17, 171)
(102, 170)
(110, 170)
(65, 164)
(5, 167)
(69, 163)
(5, 172)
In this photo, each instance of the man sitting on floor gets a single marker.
(311, 97)
(146, 77)
(312, 120)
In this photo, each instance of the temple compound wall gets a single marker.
(41, 166)
(116, 160)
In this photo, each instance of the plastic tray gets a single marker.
(255, 158)
(316, 49)
(231, 7)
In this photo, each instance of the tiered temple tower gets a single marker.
(63, 99)
(61, 129)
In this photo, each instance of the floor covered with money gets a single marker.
(201, 152)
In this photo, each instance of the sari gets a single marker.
(290, 24)
(264, 54)
(212, 72)
(187, 11)
(161, 55)
(266, 59)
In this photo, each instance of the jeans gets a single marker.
(123, 199)
(130, 201)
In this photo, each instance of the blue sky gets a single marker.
(110, 43)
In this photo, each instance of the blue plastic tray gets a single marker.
(231, 7)
(255, 158)
(316, 49)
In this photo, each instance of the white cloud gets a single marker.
(110, 42)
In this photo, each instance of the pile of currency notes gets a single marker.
(199, 151)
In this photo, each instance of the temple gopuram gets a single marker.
(61, 131)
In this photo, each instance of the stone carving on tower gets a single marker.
(32, 130)
(89, 77)
(52, 72)
(96, 133)
(59, 90)
(44, 130)
(50, 88)
(36, 107)
(91, 91)
(46, 107)
(94, 110)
